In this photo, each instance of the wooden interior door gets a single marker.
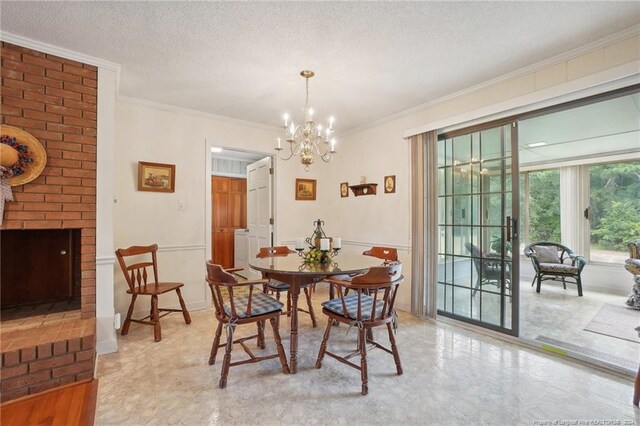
(228, 212)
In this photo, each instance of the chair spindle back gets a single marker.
(381, 284)
(136, 273)
(219, 280)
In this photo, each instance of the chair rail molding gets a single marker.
(181, 247)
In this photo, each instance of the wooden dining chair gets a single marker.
(233, 310)
(370, 305)
(388, 254)
(139, 285)
(276, 286)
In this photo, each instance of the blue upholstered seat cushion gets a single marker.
(335, 305)
(260, 304)
(280, 286)
(558, 268)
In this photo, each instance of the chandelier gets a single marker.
(307, 140)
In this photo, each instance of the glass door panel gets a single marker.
(476, 278)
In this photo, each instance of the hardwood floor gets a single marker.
(69, 405)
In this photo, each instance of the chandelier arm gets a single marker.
(326, 158)
(284, 158)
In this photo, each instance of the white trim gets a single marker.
(365, 244)
(233, 175)
(194, 113)
(613, 78)
(184, 247)
(601, 43)
(105, 260)
(586, 160)
(63, 53)
(58, 51)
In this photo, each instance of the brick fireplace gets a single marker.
(54, 99)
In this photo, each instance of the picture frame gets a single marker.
(156, 177)
(389, 184)
(305, 189)
(344, 189)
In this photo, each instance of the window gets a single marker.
(540, 206)
(614, 211)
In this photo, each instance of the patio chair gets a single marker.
(549, 259)
(489, 268)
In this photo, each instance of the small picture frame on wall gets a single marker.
(156, 177)
(389, 184)
(305, 189)
(344, 189)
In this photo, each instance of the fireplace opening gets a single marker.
(40, 272)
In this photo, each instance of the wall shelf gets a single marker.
(364, 189)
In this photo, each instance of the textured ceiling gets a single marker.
(372, 59)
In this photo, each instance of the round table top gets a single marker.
(343, 263)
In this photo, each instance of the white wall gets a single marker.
(157, 133)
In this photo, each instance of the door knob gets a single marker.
(63, 252)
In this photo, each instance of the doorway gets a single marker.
(228, 223)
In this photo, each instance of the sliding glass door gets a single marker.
(477, 223)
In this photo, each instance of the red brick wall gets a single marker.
(55, 100)
(41, 366)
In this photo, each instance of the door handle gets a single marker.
(508, 228)
(587, 213)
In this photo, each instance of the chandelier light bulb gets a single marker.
(286, 119)
(279, 143)
(331, 122)
(310, 112)
(333, 144)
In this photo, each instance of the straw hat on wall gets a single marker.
(26, 165)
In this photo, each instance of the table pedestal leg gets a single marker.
(293, 353)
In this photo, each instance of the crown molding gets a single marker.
(58, 51)
(63, 53)
(194, 112)
(601, 43)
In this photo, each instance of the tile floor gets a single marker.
(562, 315)
(451, 376)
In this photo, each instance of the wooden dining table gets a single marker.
(292, 269)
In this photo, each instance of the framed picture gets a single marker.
(305, 189)
(156, 177)
(344, 189)
(389, 184)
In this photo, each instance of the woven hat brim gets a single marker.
(35, 148)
